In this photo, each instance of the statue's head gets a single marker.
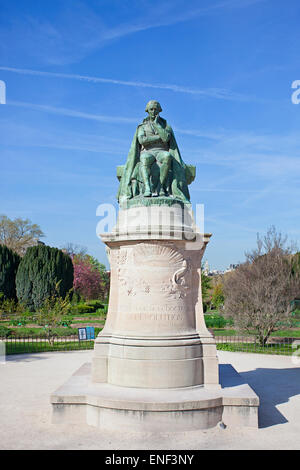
(153, 108)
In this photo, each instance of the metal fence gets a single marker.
(20, 345)
(274, 345)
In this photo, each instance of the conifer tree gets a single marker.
(39, 271)
(9, 262)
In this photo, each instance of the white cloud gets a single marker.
(71, 112)
(217, 93)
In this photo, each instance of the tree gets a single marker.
(87, 278)
(79, 255)
(9, 262)
(218, 298)
(72, 250)
(105, 276)
(51, 313)
(259, 292)
(38, 273)
(19, 234)
(205, 287)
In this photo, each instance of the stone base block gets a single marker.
(109, 406)
(160, 362)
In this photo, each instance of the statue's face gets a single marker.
(153, 110)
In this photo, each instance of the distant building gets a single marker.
(206, 268)
(219, 272)
(215, 272)
(232, 267)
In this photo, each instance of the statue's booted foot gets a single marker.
(147, 193)
(163, 192)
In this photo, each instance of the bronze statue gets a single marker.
(154, 166)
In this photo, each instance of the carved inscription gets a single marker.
(158, 308)
(160, 317)
(160, 313)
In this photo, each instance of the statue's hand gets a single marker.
(163, 133)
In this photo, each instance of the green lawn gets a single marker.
(281, 333)
(287, 333)
(224, 332)
(22, 347)
(282, 349)
(89, 321)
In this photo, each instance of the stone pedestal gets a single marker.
(155, 335)
(155, 364)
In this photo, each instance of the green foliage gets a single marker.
(19, 321)
(205, 284)
(39, 272)
(90, 306)
(33, 333)
(59, 331)
(22, 347)
(66, 321)
(5, 332)
(52, 312)
(282, 349)
(296, 313)
(24, 332)
(215, 321)
(218, 298)
(11, 308)
(9, 262)
(205, 287)
(102, 311)
(76, 298)
(96, 304)
(79, 309)
(296, 263)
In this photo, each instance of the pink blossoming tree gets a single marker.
(87, 278)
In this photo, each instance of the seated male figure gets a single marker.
(154, 141)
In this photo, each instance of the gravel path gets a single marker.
(28, 379)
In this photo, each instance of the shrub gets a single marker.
(82, 308)
(95, 303)
(41, 269)
(53, 311)
(9, 262)
(215, 321)
(5, 332)
(102, 311)
(217, 298)
(42, 333)
(66, 321)
(10, 306)
(19, 321)
(23, 332)
(296, 313)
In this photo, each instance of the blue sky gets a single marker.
(78, 76)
